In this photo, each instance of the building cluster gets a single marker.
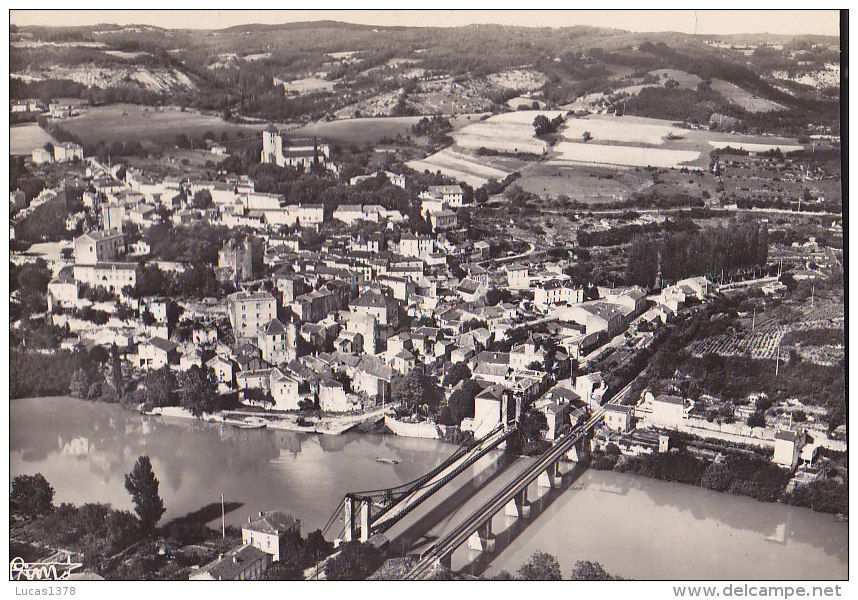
(333, 327)
(326, 327)
(262, 539)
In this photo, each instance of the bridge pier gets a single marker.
(364, 519)
(482, 539)
(550, 477)
(349, 519)
(518, 506)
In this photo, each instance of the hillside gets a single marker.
(309, 71)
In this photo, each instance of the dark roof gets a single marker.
(469, 286)
(274, 522)
(234, 562)
(162, 344)
(370, 299)
(670, 399)
(494, 392)
(787, 435)
(66, 275)
(274, 327)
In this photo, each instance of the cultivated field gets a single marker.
(649, 132)
(743, 97)
(508, 132)
(357, 131)
(757, 345)
(684, 79)
(309, 84)
(584, 184)
(626, 156)
(459, 166)
(522, 101)
(751, 147)
(23, 139)
(129, 122)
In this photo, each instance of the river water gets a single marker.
(637, 528)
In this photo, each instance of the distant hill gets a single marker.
(769, 82)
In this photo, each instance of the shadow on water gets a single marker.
(416, 534)
(480, 562)
(207, 513)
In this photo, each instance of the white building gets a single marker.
(295, 152)
(250, 311)
(67, 151)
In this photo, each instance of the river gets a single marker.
(636, 527)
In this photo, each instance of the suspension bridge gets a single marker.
(476, 529)
(360, 515)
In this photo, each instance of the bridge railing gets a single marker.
(457, 536)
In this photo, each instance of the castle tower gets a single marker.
(291, 340)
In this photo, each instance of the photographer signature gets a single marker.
(54, 571)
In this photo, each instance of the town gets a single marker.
(293, 284)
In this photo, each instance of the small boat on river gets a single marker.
(387, 461)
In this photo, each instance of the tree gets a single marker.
(315, 547)
(533, 423)
(142, 484)
(590, 571)
(355, 561)
(586, 136)
(117, 379)
(202, 199)
(282, 571)
(540, 567)
(415, 390)
(80, 383)
(32, 495)
(757, 419)
(457, 372)
(502, 575)
(199, 391)
(161, 387)
(461, 402)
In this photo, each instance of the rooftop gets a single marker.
(234, 562)
(162, 344)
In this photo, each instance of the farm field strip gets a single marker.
(627, 156)
(460, 166)
(125, 122)
(506, 132)
(618, 130)
(757, 345)
(750, 147)
(23, 139)
(454, 160)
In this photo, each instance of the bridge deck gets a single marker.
(459, 535)
(490, 442)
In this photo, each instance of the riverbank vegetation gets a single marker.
(116, 544)
(742, 475)
(542, 566)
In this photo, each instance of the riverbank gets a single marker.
(252, 419)
(738, 475)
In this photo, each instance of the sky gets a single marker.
(823, 22)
